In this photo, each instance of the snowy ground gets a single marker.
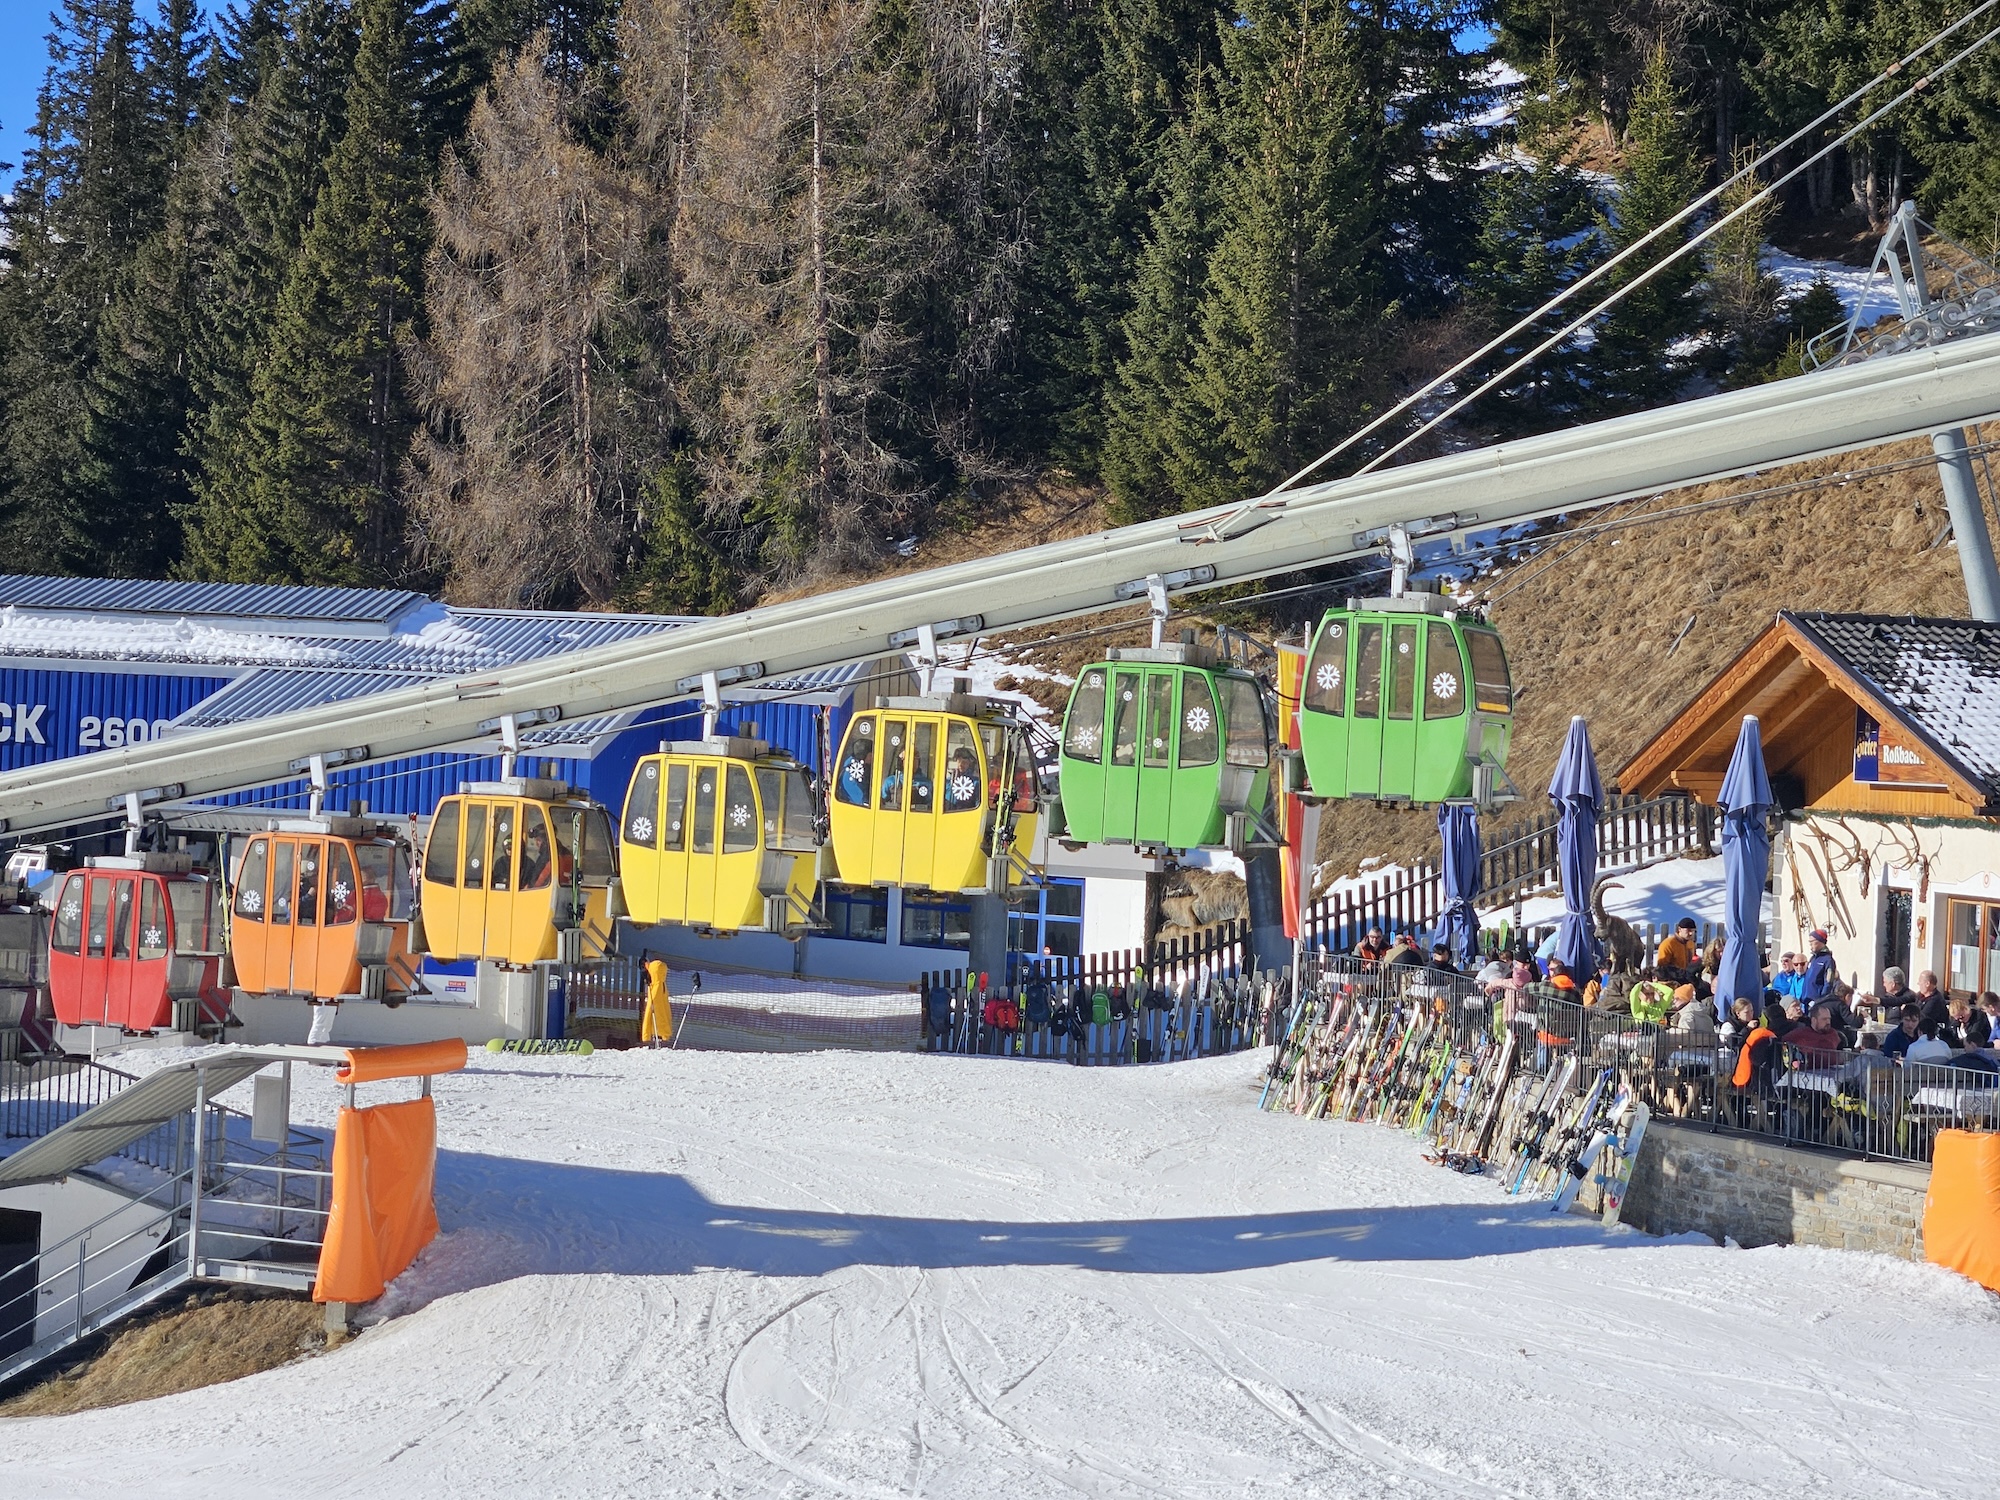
(696, 1274)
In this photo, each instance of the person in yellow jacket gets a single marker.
(656, 1021)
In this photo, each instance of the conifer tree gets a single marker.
(1103, 85)
(1146, 472)
(86, 196)
(331, 415)
(1634, 363)
(139, 395)
(1538, 234)
(525, 476)
(264, 163)
(1292, 311)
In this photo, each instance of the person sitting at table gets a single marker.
(1441, 958)
(1844, 1019)
(1818, 1036)
(1895, 992)
(1928, 1048)
(1693, 1015)
(1559, 976)
(1742, 1020)
(1652, 996)
(1783, 1012)
(1905, 1033)
(1789, 978)
(1494, 974)
(1936, 1003)
(1965, 1027)
(1373, 948)
(1406, 950)
(1990, 1003)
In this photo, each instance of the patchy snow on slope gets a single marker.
(1854, 285)
(674, 1274)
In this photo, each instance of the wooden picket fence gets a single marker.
(1193, 997)
(1631, 832)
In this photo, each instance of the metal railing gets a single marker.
(1857, 1103)
(254, 1216)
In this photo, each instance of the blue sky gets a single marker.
(24, 57)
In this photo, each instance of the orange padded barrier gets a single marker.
(384, 1160)
(1962, 1212)
(372, 1064)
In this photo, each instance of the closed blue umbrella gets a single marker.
(1746, 866)
(1458, 828)
(1578, 794)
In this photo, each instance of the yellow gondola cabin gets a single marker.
(718, 833)
(512, 868)
(935, 793)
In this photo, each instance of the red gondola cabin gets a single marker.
(132, 937)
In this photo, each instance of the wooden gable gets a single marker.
(1806, 705)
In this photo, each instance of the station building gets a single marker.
(92, 664)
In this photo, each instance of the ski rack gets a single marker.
(1829, 411)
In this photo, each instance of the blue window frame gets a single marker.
(1049, 916)
(857, 913)
(930, 922)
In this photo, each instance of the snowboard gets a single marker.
(1620, 1176)
(541, 1044)
(1579, 1170)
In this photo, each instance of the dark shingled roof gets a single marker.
(1941, 676)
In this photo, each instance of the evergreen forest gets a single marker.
(664, 303)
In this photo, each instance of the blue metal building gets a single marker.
(89, 664)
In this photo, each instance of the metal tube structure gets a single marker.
(1829, 411)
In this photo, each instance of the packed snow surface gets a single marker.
(704, 1274)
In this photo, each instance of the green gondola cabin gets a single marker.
(1162, 745)
(1405, 700)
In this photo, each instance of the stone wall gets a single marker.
(1759, 1193)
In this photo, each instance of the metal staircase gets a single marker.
(186, 1195)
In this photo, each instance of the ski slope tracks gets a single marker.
(841, 1274)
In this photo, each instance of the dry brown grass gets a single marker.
(203, 1341)
(1590, 632)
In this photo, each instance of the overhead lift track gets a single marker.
(1830, 411)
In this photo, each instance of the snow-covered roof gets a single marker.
(235, 602)
(1942, 677)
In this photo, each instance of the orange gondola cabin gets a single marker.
(134, 943)
(322, 910)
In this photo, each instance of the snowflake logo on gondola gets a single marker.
(964, 788)
(739, 816)
(1198, 720)
(71, 911)
(855, 770)
(341, 890)
(1328, 677)
(152, 937)
(251, 901)
(642, 830)
(1085, 739)
(307, 865)
(652, 773)
(1444, 685)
